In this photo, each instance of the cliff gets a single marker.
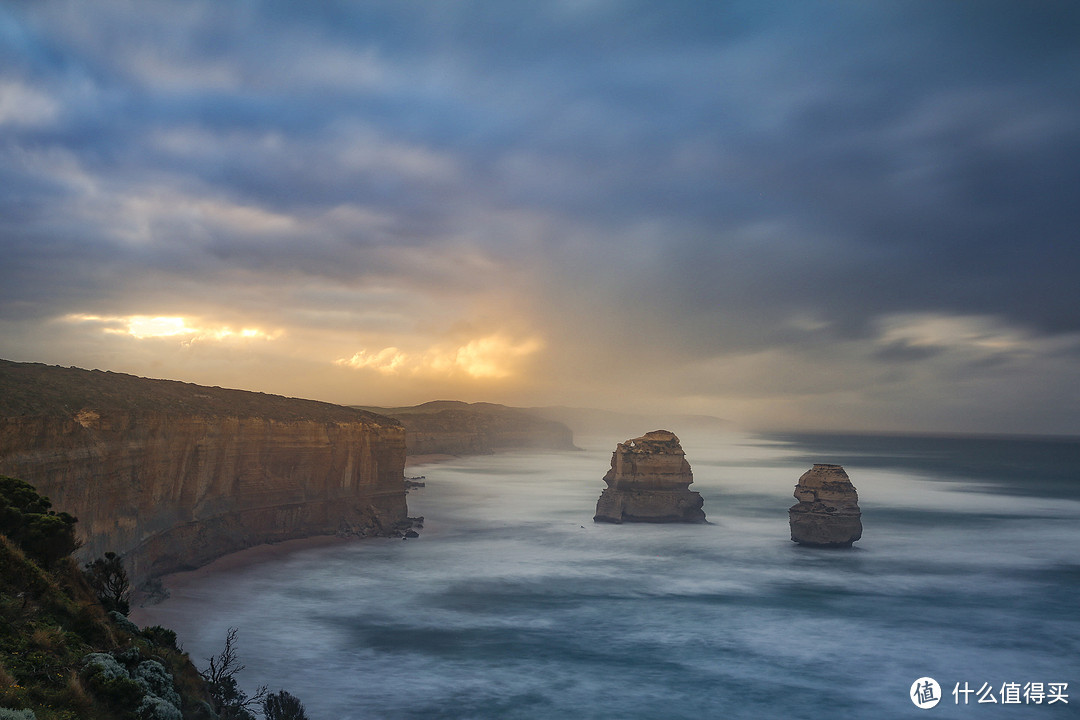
(827, 514)
(649, 481)
(458, 428)
(172, 475)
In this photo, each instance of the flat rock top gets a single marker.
(35, 389)
(822, 473)
(662, 442)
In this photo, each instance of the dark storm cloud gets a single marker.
(723, 178)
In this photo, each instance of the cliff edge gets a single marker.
(172, 475)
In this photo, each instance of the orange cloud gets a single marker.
(491, 357)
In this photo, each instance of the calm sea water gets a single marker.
(513, 604)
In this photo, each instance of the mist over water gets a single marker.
(514, 604)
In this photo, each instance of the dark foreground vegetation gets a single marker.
(68, 651)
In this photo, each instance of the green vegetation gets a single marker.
(67, 651)
(28, 520)
(37, 390)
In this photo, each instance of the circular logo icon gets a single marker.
(925, 693)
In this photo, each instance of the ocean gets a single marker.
(514, 604)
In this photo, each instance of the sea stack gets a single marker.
(827, 514)
(649, 481)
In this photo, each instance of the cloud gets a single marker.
(755, 206)
(185, 330)
(493, 357)
(24, 106)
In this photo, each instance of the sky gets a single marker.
(815, 215)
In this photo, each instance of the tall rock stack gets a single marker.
(649, 481)
(827, 514)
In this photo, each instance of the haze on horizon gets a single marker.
(826, 215)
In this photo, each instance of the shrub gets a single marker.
(9, 714)
(123, 623)
(161, 636)
(109, 580)
(27, 519)
(109, 680)
(157, 680)
(153, 707)
(104, 665)
(283, 706)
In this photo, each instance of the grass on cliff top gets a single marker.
(50, 390)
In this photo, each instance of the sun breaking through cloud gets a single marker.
(492, 357)
(188, 330)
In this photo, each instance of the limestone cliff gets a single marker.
(649, 481)
(172, 475)
(458, 428)
(827, 514)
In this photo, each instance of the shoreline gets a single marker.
(255, 554)
(143, 603)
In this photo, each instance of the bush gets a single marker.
(9, 714)
(163, 637)
(109, 680)
(283, 706)
(123, 623)
(155, 708)
(103, 665)
(26, 518)
(110, 581)
(157, 680)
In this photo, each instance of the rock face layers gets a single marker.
(172, 475)
(827, 514)
(649, 481)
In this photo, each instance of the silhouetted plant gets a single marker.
(230, 702)
(283, 706)
(109, 580)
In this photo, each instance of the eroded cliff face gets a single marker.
(649, 481)
(171, 489)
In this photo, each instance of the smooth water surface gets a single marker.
(514, 604)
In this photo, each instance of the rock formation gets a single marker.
(171, 475)
(827, 514)
(649, 481)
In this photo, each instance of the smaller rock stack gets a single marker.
(649, 481)
(827, 514)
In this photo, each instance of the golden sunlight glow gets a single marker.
(187, 330)
(490, 357)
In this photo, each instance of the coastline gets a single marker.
(143, 603)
